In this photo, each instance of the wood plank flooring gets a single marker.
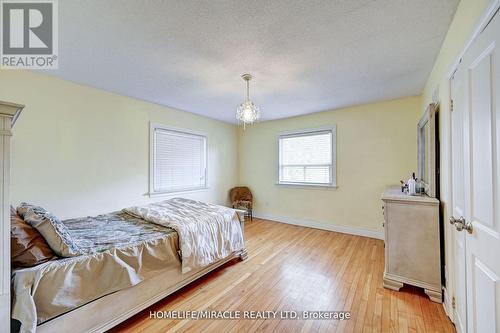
(299, 269)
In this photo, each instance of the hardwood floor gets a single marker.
(299, 269)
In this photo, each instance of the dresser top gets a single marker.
(393, 193)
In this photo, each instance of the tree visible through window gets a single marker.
(307, 158)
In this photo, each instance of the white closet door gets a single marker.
(481, 174)
(458, 201)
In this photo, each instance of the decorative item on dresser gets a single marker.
(412, 246)
(241, 198)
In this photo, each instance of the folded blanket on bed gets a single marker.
(207, 232)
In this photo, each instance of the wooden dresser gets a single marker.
(412, 251)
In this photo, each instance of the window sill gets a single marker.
(175, 192)
(309, 186)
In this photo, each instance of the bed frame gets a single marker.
(110, 310)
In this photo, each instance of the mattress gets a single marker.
(121, 251)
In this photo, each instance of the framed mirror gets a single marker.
(426, 136)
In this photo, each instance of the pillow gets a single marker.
(27, 247)
(52, 229)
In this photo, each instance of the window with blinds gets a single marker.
(307, 158)
(179, 160)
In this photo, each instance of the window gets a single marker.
(178, 160)
(307, 158)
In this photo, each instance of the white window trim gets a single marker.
(305, 132)
(152, 192)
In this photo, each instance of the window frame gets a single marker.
(306, 132)
(152, 128)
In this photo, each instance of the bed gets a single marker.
(132, 259)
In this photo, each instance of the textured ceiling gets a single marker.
(306, 56)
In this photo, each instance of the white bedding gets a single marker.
(207, 232)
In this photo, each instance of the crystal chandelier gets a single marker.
(247, 112)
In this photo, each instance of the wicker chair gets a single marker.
(241, 198)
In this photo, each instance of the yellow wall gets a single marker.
(79, 151)
(466, 17)
(376, 147)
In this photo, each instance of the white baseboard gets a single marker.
(448, 308)
(323, 226)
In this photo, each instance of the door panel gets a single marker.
(481, 117)
(486, 284)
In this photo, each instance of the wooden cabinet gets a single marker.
(412, 248)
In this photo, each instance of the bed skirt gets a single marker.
(110, 310)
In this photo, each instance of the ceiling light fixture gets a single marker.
(247, 112)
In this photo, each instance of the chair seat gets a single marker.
(242, 204)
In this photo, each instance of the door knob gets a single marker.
(460, 224)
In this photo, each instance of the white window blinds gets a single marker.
(178, 161)
(307, 158)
